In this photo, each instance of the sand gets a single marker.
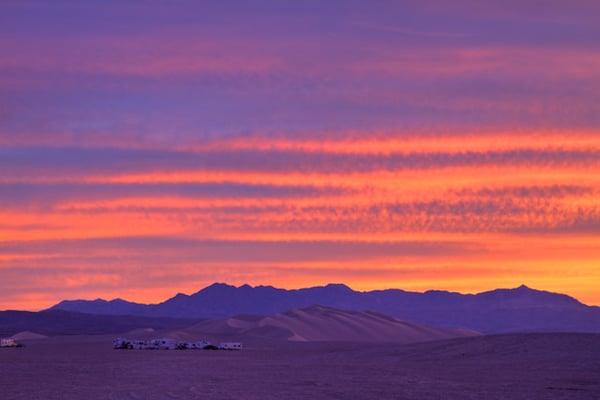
(318, 323)
(26, 335)
(533, 366)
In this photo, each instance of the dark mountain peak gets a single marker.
(118, 300)
(265, 287)
(220, 285)
(179, 298)
(99, 301)
(524, 296)
(215, 287)
(71, 303)
(338, 287)
(100, 306)
(521, 290)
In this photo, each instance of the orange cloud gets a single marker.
(471, 227)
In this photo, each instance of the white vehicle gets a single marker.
(9, 342)
(230, 346)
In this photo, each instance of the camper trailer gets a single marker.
(9, 342)
(230, 346)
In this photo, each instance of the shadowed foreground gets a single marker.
(524, 366)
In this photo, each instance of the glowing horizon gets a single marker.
(146, 151)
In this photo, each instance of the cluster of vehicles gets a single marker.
(171, 344)
(9, 342)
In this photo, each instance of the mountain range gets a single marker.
(520, 309)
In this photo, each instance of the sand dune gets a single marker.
(318, 323)
(26, 335)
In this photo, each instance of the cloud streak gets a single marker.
(22, 162)
(49, 194)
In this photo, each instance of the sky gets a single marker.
(155, 147)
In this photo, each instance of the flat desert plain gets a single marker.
(519, 366)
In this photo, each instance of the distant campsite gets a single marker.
(172, 344)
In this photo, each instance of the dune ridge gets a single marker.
(26, 335)
(320, 323)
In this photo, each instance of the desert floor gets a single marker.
(524, 366)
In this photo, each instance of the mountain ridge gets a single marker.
(494, 311)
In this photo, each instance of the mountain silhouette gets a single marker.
(496, 311)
